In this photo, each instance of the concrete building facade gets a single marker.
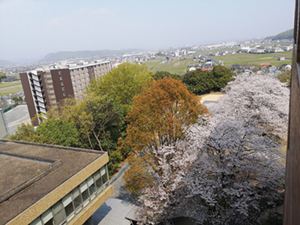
(46, 88)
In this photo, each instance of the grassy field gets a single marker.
(255, 58)
(178, 66)
(10, 88)
(205, 52)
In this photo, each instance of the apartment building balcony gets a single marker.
(39, 94)
(36, 88)
(42, 105)
(36, 83)
(41, 110)
(34, 77)
(39, 99)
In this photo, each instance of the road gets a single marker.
(16, 117)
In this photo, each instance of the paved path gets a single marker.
(120, 191)
(115, 209)
(15, 117)
(113, 212)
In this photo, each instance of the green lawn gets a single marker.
(177, 66)
(10, 88)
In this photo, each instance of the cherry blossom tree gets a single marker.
(230, 166)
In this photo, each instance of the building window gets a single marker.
(59, 215)
(60, 78)
(77, 198)
(47, 217)
(64, 94)
(62, 83)
(103, 175)
(68, 205)
(97, 178)
(66, 208)
(84, 191)
(91, 185)
(72, 76)
(63, 89)
(59, 72)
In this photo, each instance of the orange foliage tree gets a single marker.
(159, 115)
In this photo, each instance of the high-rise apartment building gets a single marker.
(46, 88)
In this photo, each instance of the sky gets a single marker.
(30, 29)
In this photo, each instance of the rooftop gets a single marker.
(29, 171)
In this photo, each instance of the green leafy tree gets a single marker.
(2, 76)
(285, 77)
(222, 76)
(58, 132)
(114, 162)
(199, 82)
(98, 119)
(20, 99)
(15, 99)
(24, 132)
(165, 74)
(122, 83)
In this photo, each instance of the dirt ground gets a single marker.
(213, 96)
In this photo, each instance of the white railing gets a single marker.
(42, 110)
(38, 88)
(41, 99)
(41, 105)
(39, 94)
(36, 83)
(35, 77)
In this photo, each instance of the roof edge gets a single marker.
(55, 146)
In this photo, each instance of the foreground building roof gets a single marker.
(42, 184)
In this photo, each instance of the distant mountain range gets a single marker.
(289, 34)
(84, 54)
(5, 62)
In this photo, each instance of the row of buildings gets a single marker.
(45, 88)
